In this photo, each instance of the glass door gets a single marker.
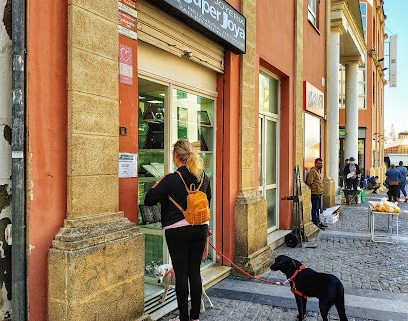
(166, 114)
(268, 146)
(193, 119)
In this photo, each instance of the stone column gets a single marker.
(331, 179)
(333, 106)
(351, 128)
(96, 262)
(251, 251)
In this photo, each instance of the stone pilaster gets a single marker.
(251, 250)
(96, 262)
(310, 229)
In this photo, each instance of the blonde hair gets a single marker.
(186, 154)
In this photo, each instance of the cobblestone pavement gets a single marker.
(365, 268)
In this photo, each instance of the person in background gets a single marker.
(393, 179)
(403, 181)
(373, 184)
(343, 178)
(186, 243)
(314, 181)
(351, 172)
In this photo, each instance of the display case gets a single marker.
(150, 168)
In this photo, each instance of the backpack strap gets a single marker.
(181, 176)
(176, 204)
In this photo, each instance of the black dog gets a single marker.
(305, 282)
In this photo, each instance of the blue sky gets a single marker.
(396, 98)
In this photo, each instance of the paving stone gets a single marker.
(359, 263)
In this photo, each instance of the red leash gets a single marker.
(247, 274)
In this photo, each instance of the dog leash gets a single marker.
(246, 273)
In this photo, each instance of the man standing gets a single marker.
(403, 181)
(393, 179)
(351, 172)
(314, 181)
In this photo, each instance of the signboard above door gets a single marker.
(214, 18)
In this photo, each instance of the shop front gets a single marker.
(181, 78)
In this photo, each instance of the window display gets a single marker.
(167, 114)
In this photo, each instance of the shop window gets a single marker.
(268, 145)
(312, 140)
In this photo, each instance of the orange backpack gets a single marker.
(198, 210)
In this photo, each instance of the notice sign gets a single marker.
(216, 17)
(127, 165)
(125, 65)
(128, 18)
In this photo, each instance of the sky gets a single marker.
(396, 98)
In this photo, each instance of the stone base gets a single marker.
(251, 251)
(96, 270)
(329, 195)
(255, 264)
(311, 231)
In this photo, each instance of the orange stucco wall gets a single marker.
(275, 47)
(46, 151)
(228, 87)
(128, 113)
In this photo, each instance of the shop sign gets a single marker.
(128, 18)
(214, 18)
(313, 100)
(393, 61)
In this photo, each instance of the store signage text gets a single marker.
(313, 100)
(218, 17)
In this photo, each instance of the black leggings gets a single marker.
(186, 246)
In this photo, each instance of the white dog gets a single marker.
(165, 275)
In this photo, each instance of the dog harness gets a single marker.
(171, 272)
(292, 282)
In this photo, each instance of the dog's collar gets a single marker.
(171, 272)
(292, 282)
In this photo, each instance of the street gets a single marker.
(374, 275)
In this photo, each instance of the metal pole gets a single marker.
(19, 254)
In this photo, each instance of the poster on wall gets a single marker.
(127, 165)
(128, 18)
(125, 65)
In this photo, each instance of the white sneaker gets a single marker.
(175, 319)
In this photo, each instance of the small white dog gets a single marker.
(165, 275)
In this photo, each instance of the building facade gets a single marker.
(110, 86)
(365, 121)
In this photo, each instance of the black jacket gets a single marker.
(172, 185)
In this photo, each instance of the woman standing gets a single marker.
(185, 242)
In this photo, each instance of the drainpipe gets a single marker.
(19, 253)
(5, 153)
